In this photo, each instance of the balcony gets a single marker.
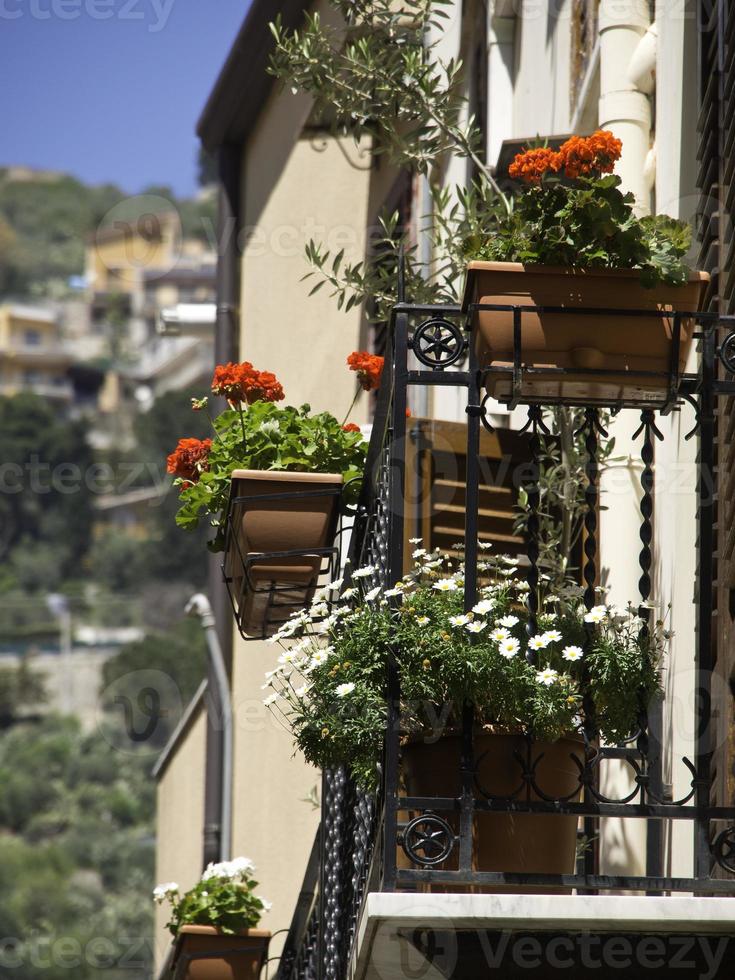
(394, 886)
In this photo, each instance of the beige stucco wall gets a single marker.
(272, 821)
(303, 339)
(179, 822)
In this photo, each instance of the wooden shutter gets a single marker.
(436, 466)
(716, 181)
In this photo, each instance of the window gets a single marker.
(32, 338)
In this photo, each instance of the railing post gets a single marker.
(396, 517)
(705, 558)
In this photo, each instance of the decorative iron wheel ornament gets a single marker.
(428, 840)
(438, 343)
(724, 849)
(727, 352)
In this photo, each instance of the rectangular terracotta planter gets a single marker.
(618, 343)
(205, 953)
(284, 512)
(526, 843)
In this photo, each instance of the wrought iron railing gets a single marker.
(361, 836)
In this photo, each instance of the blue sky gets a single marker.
(110, 90)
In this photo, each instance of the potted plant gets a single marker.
(330, 685)
(572, 240)
(279, 473)
(214, 924)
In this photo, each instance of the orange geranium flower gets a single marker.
(531, 165)
(351, 427)
(242, 383)
(262, 386)
(189, 459)
(582, 155)
(369, 368)
(229, 380)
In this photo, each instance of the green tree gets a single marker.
(47, 500)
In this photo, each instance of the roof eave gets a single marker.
(244, 85)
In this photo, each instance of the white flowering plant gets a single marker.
(224, 897)
(330, 681)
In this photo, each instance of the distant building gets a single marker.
(33, 356)
(134, 270)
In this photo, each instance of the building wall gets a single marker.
(273, 822)
(179, 823)
(322, 192)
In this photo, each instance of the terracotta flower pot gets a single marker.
(504, 842)
(285, 512)
(204, 953)
(625, 344)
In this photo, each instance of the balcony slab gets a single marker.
(466, 937)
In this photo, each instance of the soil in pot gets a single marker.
(624, 344)
(505, 842)
(304, 520)
(204, 953)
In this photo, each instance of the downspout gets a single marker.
(627, 44)
(218, 697)
(225, 349)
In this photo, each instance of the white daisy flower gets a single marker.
(475, 627)
(446, 585)
(546, 676)
(572, 653)
(422, 620)
(301, 692)
(508, 621)
(552, 636)
(509, 647)
(289, 657)
(372, 594)
(319, 609)
(500, 634)
(483, 606)
(508, 560)
(365, 572)
(418, 553)
(415, 540)
(484, 545)
(321, 657)
(342, 690)
(460, 620)
(550, 598)
(538, 642)
(523, 586)
(393, 592)
(271, 699)
(349, 593)
(596, 614)
(270, 426)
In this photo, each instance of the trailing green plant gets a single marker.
(330, 682)
(224, 898)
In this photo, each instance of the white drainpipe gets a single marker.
(627, 65)
(625, 107)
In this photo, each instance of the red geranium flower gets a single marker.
(263, 386)
(242, 383)
(369, 368)
(189, 459)
(230, 378)
(351, 427)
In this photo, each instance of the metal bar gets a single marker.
(661, 811)
(705, 601)
(587, 882)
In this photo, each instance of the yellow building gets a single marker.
(32, 355)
